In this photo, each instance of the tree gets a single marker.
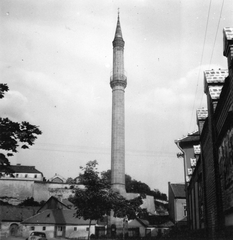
(97, 199)
(14, 135)
(30, 202)
(70, 180)
(134, 186)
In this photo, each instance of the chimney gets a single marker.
(213, 83)
(202, 114)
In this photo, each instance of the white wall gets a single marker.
(179, 209)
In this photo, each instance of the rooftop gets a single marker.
(24, 169)
(57, 216)
(178, 190)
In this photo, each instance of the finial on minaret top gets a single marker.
(118, 38)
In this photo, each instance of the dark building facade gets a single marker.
(209, 185)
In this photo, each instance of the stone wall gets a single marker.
(20, 190)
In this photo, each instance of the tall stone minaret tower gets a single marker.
(118, 82)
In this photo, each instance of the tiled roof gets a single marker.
(191, 137)
(24, 169)
(178, 190)
(57, 216)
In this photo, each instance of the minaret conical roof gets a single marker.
(118, 38)
(118, 33)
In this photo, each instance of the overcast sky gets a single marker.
(56, 57)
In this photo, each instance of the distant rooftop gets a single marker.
(190, 137)
(24, 169)
(178, 190)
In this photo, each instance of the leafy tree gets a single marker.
(29, 202)
(70, 180)
(97, 199)
(14, 135)
(134, 186)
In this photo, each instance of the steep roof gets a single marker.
(24, 169)
(178, 190)
(53, 203)
(57, 216)
(118, 33)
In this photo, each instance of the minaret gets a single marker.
(118, 82)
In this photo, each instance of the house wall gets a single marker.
(195, 193)
(179, 209)
(73, 231)
(81, 231)
(49, 230)
(135, 224)
(25, 176)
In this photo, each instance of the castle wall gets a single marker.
(19, 189)
(40, 191)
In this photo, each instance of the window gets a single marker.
(43, 228)
(17, 175)
(26, 175)
(32, 228)
(35, 176)
(75, 228)
(87, 229)
(59, 228)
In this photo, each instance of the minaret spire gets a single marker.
(118, 82)
(118, 39)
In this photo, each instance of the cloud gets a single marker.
(14, 106)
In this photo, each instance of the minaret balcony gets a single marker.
(118, 79)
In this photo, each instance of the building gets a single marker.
(177, 204)
(210, 186)
(11, 218)
(24, 172)
(57, 220)
(57, 179)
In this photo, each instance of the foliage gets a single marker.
(14, 135)
(97, 199)
(134, 186)
(29, 202)
(70, 180)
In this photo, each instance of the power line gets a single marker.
(214, 42)
(105, 151)
(202, 54)
(220, 16)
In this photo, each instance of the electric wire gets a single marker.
(202, 54)
(216, 34)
